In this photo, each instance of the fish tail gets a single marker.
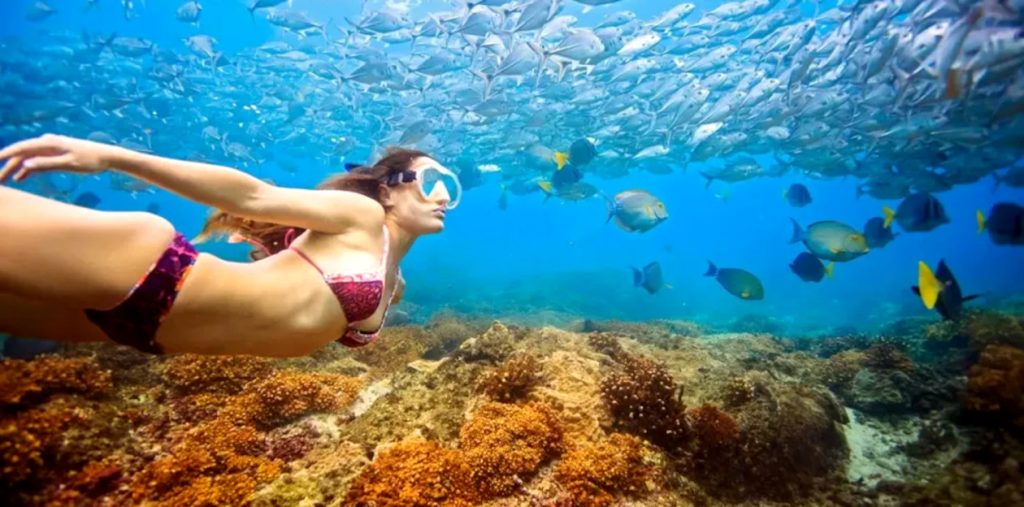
(712, 269)
(561, 158)
(638, 277)
(546, 186)
(980, 217)
(708, 177)
(829, 269)
(798, 232)
(890, 215)
(928, 285)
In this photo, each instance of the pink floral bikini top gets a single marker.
(359, 295)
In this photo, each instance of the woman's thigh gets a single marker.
(74, 256)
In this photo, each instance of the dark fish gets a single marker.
(1005, 224)
(940, 291)
(581, 152)
(919, 212)
(877, 234)
(88, 200)
(738, 282)
(810, 268)
(566, 176)
(650, 278)
(798, 195)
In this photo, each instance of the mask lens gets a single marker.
(433, 180)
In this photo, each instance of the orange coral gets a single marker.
(28, 381)
(513, 380)
(190, 373)
(995, 385)
(503, 442)
(288, 395)
(594, 474)
(414, 474)
(27, 438)
(215, 463)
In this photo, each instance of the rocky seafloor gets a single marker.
(464, 412)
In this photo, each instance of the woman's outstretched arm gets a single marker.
(224, 188)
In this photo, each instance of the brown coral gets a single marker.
(711, 429)
(503, 442)
(415, 473)
(28, 440)
(644, 400)
(512, 380)
(215, 463)
(287, 395)
(885, 355)
(190, 373)
(995, 385)
(24, 382)
(606, 343)
(598, 474)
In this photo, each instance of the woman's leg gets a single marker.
(32, 318)
(74, 257)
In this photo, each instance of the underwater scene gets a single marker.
(757, 252)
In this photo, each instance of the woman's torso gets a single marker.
(278, 306)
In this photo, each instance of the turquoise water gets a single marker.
(537, 257)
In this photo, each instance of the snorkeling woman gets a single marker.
(326, 268)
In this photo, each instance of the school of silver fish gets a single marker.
(905, 95)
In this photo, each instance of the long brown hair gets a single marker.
(269, 238)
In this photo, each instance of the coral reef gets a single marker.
(598, 474)
(664, 334)
(415, 473)
(644, 400)
(502, 442)
(606, 343)
(26, 382)
(285, 396)
(214, 463)
(512, 380)
(995, 386)
(459, 413)
(191, 374)
(886, 355)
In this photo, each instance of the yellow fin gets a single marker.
(561, 158)
(546, 186)
(745, 294)
(981, 221)
(889, 216)
(928, 286)
(829, 269)
(835, 249)
(667, 286)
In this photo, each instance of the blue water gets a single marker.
(561, 258)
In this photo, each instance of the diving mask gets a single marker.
(431, 180)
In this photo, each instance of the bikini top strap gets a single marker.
(304, 256)
(387, 248)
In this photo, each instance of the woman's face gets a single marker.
(414, 212)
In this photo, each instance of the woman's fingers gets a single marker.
(34, 164)
(45, 143)
(12, 165)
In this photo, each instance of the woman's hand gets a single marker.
(53, 152)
